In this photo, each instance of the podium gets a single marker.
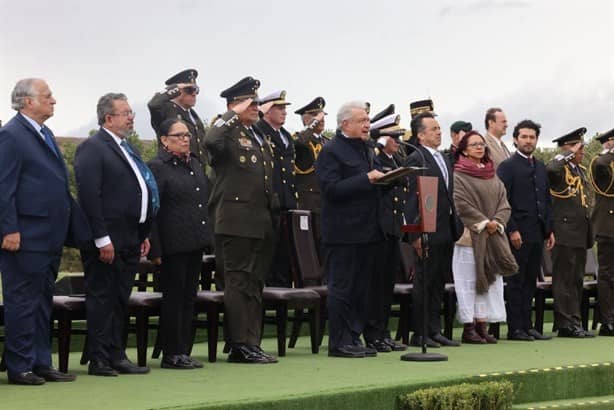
(427, 201)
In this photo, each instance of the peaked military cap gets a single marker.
(387, 111)
(418, 107)
(606, 136)
(186, 76)
(461, 126)
(571, 138)
(313, 107)
(246, 88)
(386, 122)
(278, 98)
(368, 107)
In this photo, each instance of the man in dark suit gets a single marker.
(284, 184)
(602, 179)
(530, 224)
(457, 130)
(246, 215)
(572, 230)
(177, 101)
(119, 195)
(441, 243)
(35, 216)
(351, 232)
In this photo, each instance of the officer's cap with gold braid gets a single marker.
(313, 107)
(387, 111)
(606, 136)
(278, 98)
(386, 122)
(246, 88)
(186, 76)
(571, 138)
(418, 107)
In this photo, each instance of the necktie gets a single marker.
(251, 131)
(531, 162)
(147, 176)
(49, 140)
(442, 166)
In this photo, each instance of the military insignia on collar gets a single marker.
(242, 159)
(254, 159)
(244, 141)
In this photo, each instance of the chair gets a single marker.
(68, 305)
(589, 293)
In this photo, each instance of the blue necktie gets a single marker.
(49, 140)
(147, 176)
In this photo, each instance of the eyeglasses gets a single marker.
(124, 114)
(476, 145)
(192, 90)
(182, 135)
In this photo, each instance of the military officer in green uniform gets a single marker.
(177, 101)
(572, 229)
(308, 144)
(602, 179)
(246, 209)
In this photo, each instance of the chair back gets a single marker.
(307, 269)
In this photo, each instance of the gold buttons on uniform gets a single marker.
(611, 212)
(236, 198)
(200, 205)
(197, 188)
(191, 172)
(283, 169)
(203, 222)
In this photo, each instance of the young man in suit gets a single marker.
(35, 215)
(441, 243)
(530, 224)
(119, 195)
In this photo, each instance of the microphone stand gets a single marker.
(423, 356)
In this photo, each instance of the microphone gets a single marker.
(375, 133)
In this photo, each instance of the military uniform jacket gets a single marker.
(308, 147)
(242, 199)
(283, 173)
(529, 196)
(162, 108)
(393, 198)
(570, 207)
(602, 179)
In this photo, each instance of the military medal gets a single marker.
(254, 159)
(241, 159)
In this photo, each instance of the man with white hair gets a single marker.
(351, 232)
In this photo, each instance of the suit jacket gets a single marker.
(497, 153)
(307, 148)
(284, 182)
(34, 192)
(242, 199)
(570, 206)
(449, 226)
(162, 108)
(603, 180)
(109, 192)
(394, 199)
(528, 193)
(350, 203)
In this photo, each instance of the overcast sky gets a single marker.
(551, 61)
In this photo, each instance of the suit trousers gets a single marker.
(568, 266)
(388, 264)
(521, 287)
(605, 280)
(179, 277)
(431, 281)
(349, 270)
(107, 290)
(28, 280)
(246, 264)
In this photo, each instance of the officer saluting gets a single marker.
(602, 179)
(244, 206)
(176, 101)
(572, 229)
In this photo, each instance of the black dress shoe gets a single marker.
(195, 363)
(606, 329)
(520, 334)
(175, 361)
(26, 379)
(125, 366)
(243, 354)
(380, 346)
(572, 331)
(100, 368)
(395, 346)
(268, 357)
(416, 341)
(444, 341)
(54, 375)
(349, 351)
(538, 336)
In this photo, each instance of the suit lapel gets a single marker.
(39, 140)
(106, 137)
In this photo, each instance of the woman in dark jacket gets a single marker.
(180, 233)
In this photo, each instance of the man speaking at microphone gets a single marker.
(351, 232)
